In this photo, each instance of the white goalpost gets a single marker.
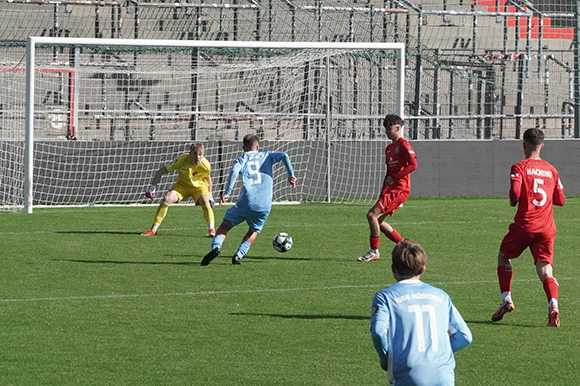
(101, 115)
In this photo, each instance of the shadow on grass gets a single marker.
(98, 232)
(294, 316)
(106, 232)
(129, 262)
(504, 324)
(250, 258)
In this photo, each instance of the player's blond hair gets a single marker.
(197, 146)
(408, 258)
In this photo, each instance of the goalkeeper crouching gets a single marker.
(193, 180)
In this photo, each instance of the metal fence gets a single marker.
(478, 69)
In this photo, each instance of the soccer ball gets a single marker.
(282, 242)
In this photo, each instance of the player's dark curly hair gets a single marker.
(408, 258)
(534, 136)
(392, 119)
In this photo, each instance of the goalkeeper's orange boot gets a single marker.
(503, 309)
(149, 233)
(553, 317)
(211, 233)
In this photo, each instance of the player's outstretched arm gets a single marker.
(150, 193)
(157, 177)
(288, 165)
(234, 173)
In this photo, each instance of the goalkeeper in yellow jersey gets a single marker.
(193, 180)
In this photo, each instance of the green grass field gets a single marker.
(84, 300)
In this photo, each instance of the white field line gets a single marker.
(253, 291)
(346, 225)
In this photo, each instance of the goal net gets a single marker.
(105, 114)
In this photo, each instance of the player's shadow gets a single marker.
(500, 325)
(129, 262)
(250, 258)
(296, 316)
(97, 232)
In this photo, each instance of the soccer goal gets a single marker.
(101, 115)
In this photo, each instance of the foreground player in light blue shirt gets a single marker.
(414, 326)
(255, 201)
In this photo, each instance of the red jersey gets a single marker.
(539, 188)
(401, 160)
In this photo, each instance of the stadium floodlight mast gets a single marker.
(33, 42)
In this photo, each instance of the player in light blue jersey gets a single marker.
(414, 326)
(255, 202)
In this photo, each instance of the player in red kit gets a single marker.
(535, 187)
(401, 161)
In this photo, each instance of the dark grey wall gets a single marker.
(85, 172)
(481, 168)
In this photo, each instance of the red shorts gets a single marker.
(518, 239)
(390, 200)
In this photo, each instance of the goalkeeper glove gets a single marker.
(211, 201)
(150, 193)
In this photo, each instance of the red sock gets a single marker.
(374, 241)
(394, 236)
(505, 275)
(551, 288)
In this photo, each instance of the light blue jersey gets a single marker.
(255, 201)
(256, 170)
(416, 329)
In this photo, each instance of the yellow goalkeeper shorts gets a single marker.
(184, 191)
